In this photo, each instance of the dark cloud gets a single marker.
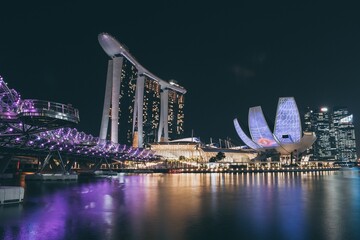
(259, 58)
(241, 72)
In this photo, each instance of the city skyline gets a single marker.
(229, 58)
(336, 139)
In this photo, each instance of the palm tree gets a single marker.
(220, 156)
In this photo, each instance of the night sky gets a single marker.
(228, 56)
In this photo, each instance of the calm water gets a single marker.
(190, 206)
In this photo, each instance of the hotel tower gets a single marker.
(139, 107)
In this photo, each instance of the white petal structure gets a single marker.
(287, 123)
(244, 137)
(287, 136)
(259, 130)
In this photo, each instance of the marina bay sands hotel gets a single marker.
(140, 107)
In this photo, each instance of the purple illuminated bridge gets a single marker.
(36, 126)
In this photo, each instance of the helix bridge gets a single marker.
(37, 127)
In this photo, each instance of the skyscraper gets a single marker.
(141, 107)
(151, 114)
(335, 134)
(344, 134)
(176, 114)
(126, 102)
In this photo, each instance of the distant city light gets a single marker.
(324, 109)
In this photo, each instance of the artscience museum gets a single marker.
(287, 137)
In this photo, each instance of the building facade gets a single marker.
(139, 107)
(344, 134)
(126, 102)
(151, 114)
(176, 114)
(335, 134)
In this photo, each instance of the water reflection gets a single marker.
(190, 206)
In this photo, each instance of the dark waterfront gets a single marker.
(323, 205)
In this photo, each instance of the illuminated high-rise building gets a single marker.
(344, 132)
(319, 122)
(335, 134)
(126, 102)
(176, 114)
(137, 102)
(151, 114)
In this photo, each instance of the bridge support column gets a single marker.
(69, 165)
(49, 160)
(4, 162)
(97, 166)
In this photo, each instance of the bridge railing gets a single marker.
(43, 108)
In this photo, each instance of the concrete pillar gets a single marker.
(138, 108)
(164, 111)
(107, 99)
(115, 94)
(4, 162)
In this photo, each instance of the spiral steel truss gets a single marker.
(43, 126)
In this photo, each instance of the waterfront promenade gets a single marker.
(229, 170)
(223, 167)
